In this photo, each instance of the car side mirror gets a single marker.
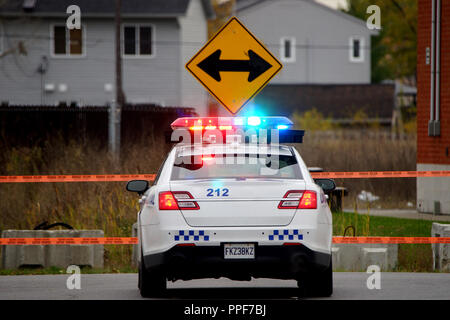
(139, 186)
(327, 185)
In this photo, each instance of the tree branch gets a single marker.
(400, 8)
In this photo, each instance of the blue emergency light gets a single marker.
(228, 125)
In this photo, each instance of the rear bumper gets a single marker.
(279, 262)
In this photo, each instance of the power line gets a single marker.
(96, 41)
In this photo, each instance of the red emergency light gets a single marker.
(230, 123)
(231, 126)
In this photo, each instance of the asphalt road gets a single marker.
(347, 286)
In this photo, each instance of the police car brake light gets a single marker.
(230, 123)
(308, 200)
(296, 199)
(177, 200)
(167, 201)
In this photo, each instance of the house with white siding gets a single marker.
(315, 43)
(42, 62)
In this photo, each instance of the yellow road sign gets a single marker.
(233, 66)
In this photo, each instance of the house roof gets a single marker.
(163, 8)
(338, 101)
(248, 4)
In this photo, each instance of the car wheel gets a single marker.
(152, 283)
(318, 284)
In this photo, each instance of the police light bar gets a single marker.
(212, 126)
(231, 123)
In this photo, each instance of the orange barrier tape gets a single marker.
(76, 178)
(48, 241)
(415, 240)
(127, 177)
(133, 240)
(380, 174)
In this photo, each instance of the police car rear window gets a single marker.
(237, 165)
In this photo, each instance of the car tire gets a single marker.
(318, 283)
(152, 283)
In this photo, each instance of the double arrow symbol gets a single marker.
(255, 66)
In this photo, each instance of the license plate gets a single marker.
(239, 251)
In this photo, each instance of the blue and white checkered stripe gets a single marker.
(191, 235)
(286, 234)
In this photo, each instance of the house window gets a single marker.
(356, 49)
(67, 42)
(138, 40)
(287, 49)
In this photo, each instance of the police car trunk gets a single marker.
(235, 185)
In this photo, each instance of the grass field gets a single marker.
(366, 225)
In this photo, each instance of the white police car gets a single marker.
(234, 209)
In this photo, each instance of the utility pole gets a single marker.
(116, 107)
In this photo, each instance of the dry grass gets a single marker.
(365, 150)
(84, 205)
